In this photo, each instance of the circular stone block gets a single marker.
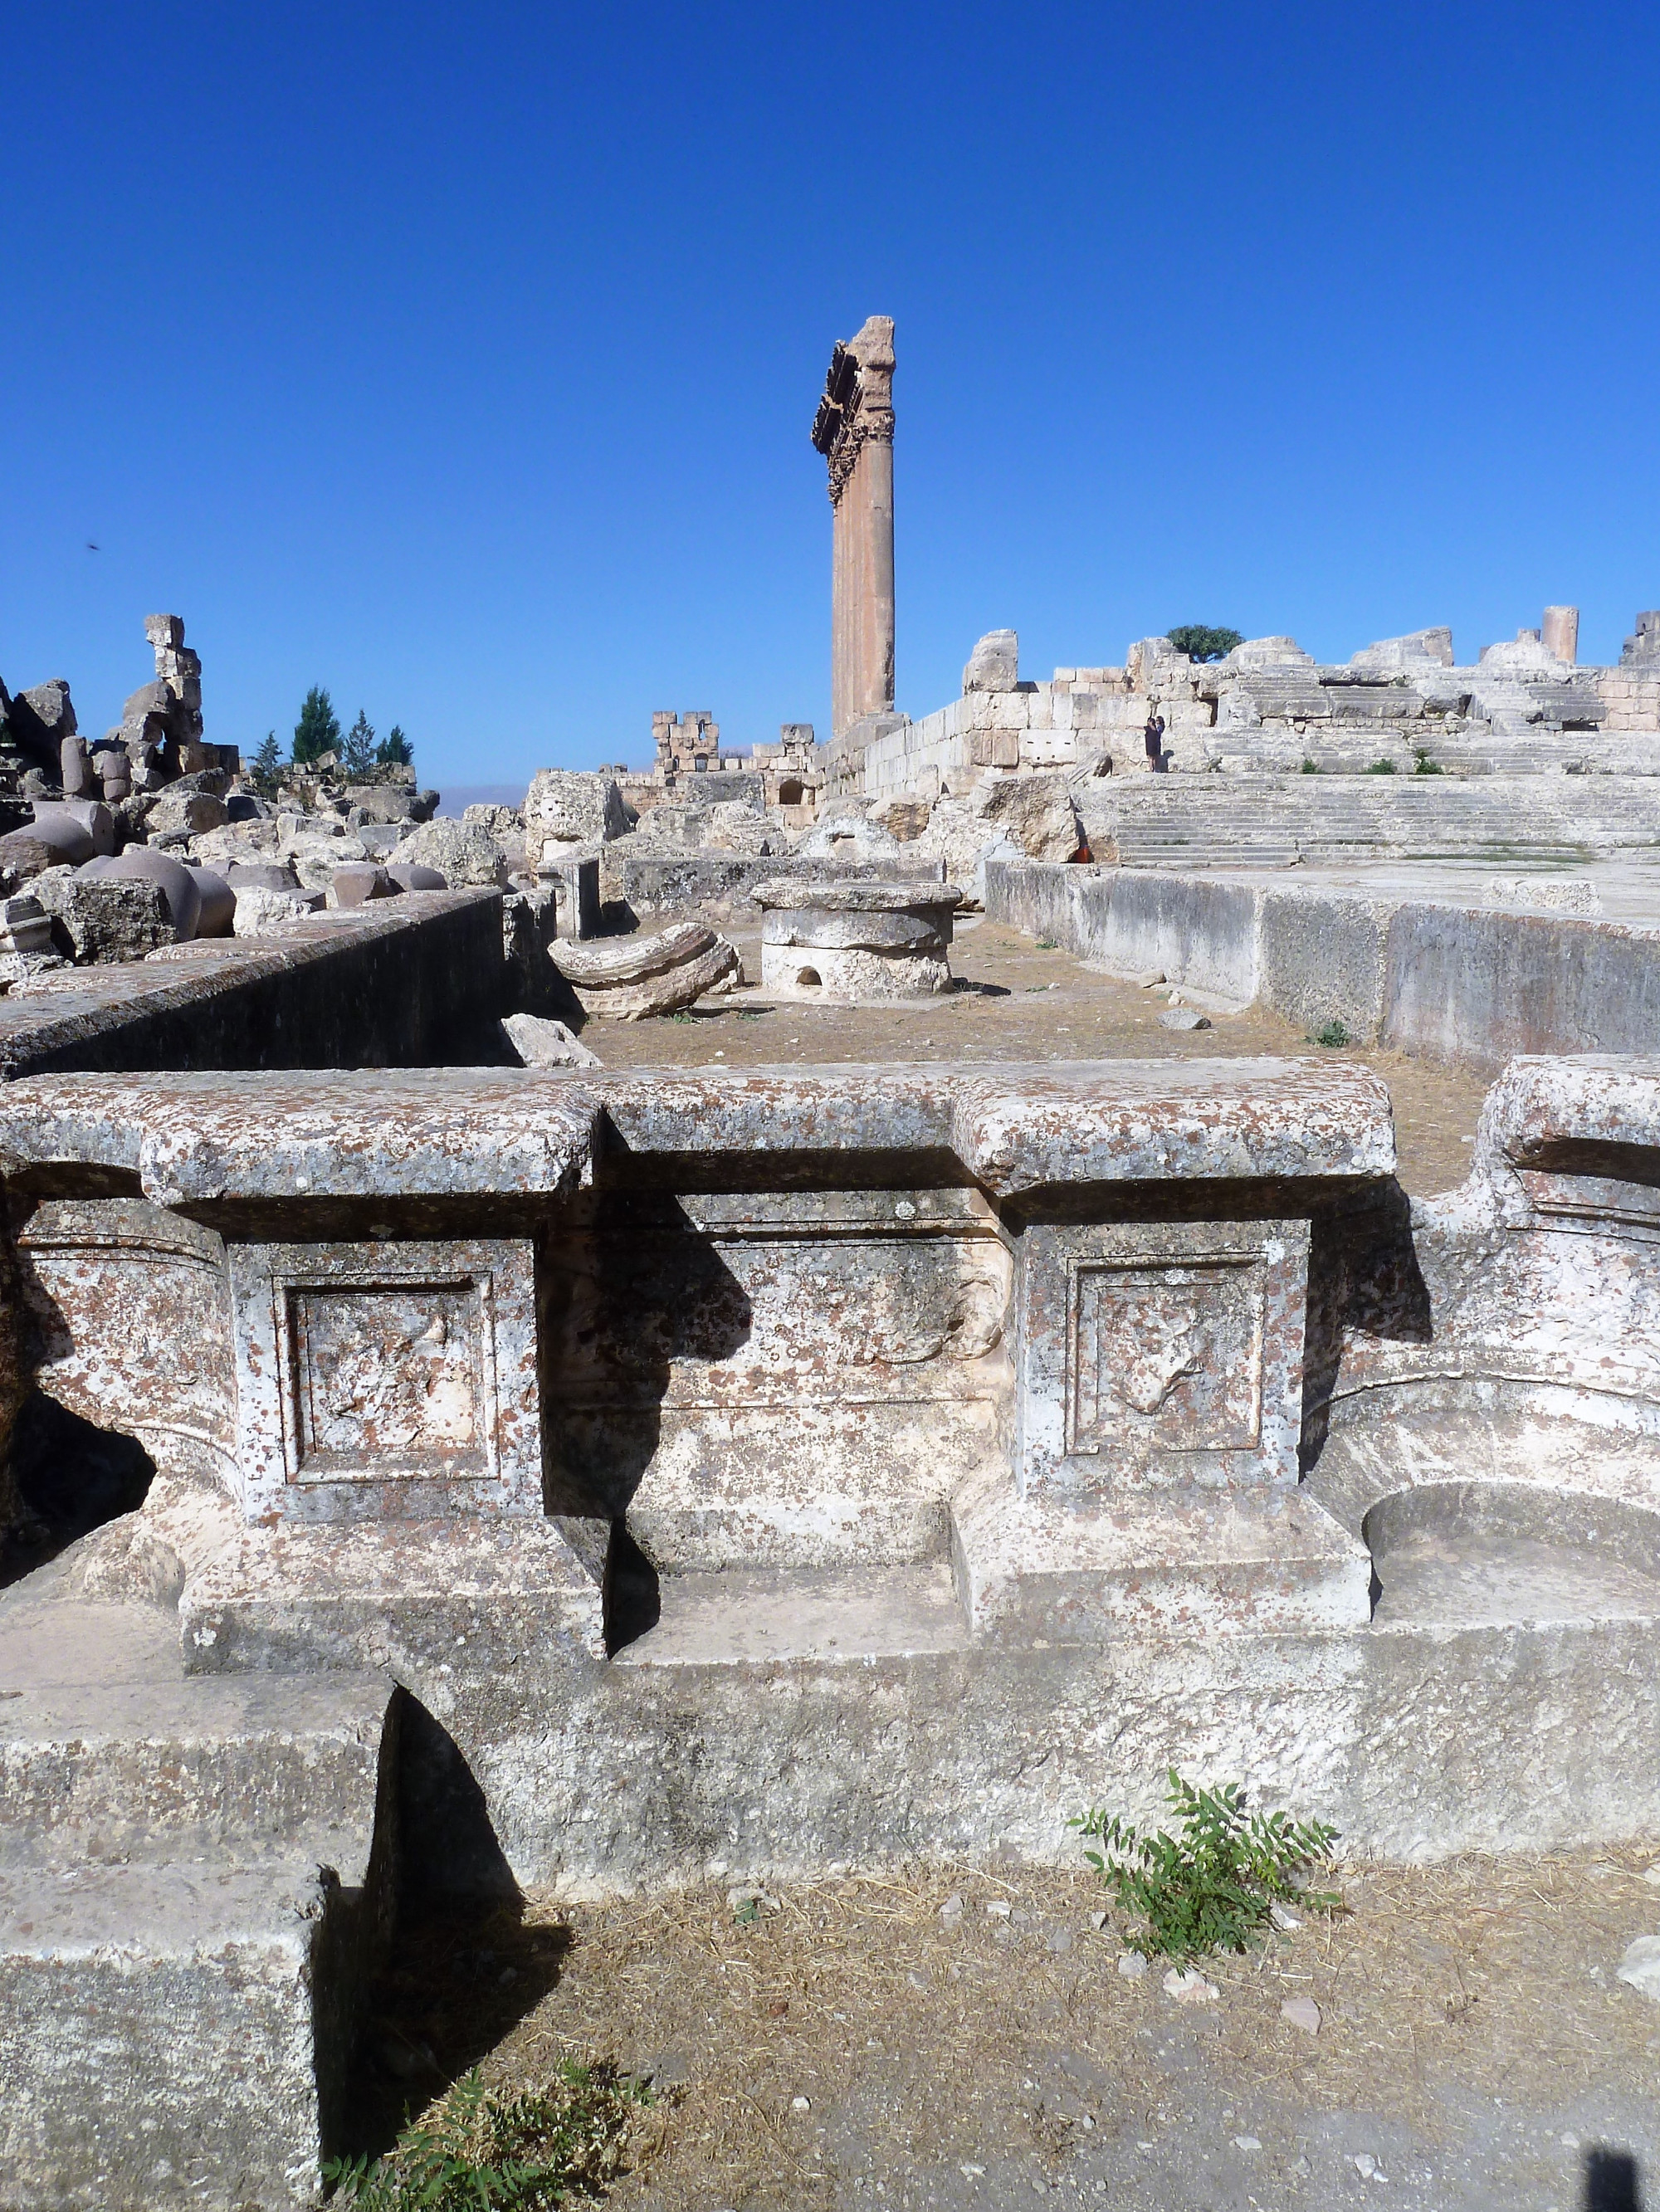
(852, 941)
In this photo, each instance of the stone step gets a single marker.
(174, 2034)
(119, 1763)
(843, 1616)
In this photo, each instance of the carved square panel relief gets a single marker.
(1171, 1356)
(396, 1377)
(1161, 1351)
(386, 1379)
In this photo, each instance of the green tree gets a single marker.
(1200, 642)
(269, 758)
(357, 747)
(318, 730)
(396, 750)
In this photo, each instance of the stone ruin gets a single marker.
(556, 1473)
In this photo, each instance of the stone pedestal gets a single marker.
(852, 942)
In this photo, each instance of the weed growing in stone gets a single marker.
(1425, 765)
(1310, 767)
(1333, 1037)
(477, 2149)
(1381, 768)
(1047, 945)
(1212, 1885)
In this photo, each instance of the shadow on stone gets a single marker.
(71, 1478)
(632, 1598)
(463, 1966)
(1611, 2182)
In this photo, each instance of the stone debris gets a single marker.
(951, 1912)
(262, 911)
(461, 852)
(1283, 1917)
(1302, 2012)
(542, 1043)
(1543, 894)
(1184, 1018)
(104, 917)
(635, 978)
(1640, 1966)
(1247, 2143)
(1187, 1985)
(1131, 1964)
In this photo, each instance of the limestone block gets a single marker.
(540, 1043)
(384, 802)
(103, 918)
(264, 912)
(461, 852)
(573, 807)
(193, 811)
(356, 885)
(181, 886)
(1558, 633)
(1543, 894)
(1393, 656)
(381, 1381)
(1162, 1354)
(994, 664)
(1036, 812)
(850, 942)
(847, 837)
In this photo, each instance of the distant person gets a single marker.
(1154, 734)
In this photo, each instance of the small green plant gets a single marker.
(1212, 1885)
(1423, 765)
(1310, 767)
(1333, 1036)
(1047, 945)
(1201, 641)
(1381, 768)
(479, 2151)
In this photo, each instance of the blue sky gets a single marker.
(463, 361)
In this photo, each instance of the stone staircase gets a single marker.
(190, 1903)
(1191, 821)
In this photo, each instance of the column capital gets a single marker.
(857, 406)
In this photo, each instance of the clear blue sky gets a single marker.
(463, 361)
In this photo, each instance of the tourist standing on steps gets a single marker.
(1154, 734)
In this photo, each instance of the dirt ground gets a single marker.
(1476, 2052)
(1018, 1001)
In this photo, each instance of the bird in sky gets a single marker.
(91, 547)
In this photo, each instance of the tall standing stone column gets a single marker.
(1559, 632)
(853, 431)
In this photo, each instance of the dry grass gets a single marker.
(915, 2044)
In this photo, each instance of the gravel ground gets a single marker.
(1476, 2052)
(1017, 1001)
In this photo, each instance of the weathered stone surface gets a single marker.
(1544, 893)
(104, 918)
(182, 886)
(855, 941)
(572, 806)
(1036, 811)
(994, 664)
(462, 853)
(542, 1043)
(848, 836)
(22, 856)
(355, 884)
(645, 976)
(264, 912)
(194, 812)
